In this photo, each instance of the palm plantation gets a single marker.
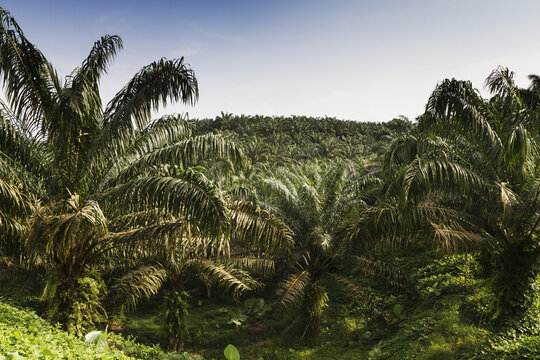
(292, 237)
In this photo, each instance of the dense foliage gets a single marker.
(24, 335)
(284, 140)
(416, 240)
(84, 188)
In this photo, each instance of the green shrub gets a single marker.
(23, 335)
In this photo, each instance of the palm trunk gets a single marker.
(75, 302)
(516, 282)
(314, 302)
(176, 317)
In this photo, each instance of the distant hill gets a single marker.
(279, 140)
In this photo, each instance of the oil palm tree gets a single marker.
(172, 254)
(318, 203)
(71, 171)
(469, 181)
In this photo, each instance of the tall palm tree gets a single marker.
(469, 180)
(318, 203)
(71, 172)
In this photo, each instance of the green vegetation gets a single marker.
(24, 335)
(291, 238)
(87, 189)
(319, 205)
(283, 140)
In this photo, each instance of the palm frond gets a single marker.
(364, 184)
(22, 159)
(501, 82)
(519, 148)
(423, 176)
(185, 153)
(174, 240)
(394, 228)
(13, 232)
(377, 269)
(254, 265)
(137, 285)
(357, 294)
(278, 188)
(24, 71)
(225, 277)
(310, 203)
(331, 187)
(12, 201)
(138, 219)
(291, 290)
(75, 227)
(253, 225)
(129, 147)
(456, 103)
(72, 125)
(154, 237)
(155, 84)
(192, 197)
(101, 55)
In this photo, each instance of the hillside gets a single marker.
(281, 140)
(23, 335)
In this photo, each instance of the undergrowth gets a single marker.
(24, 335)
(450, 318)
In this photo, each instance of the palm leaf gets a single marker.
(156, 83)
(226, 277)
(253, 225)
(185, 153)
(357, 294)
(137, 285)
(192, 197)
(292, 289)
(379, 270)
(126, 149)
(12, 201)
(457, 104)
(25, 72)
(394, 228)
(101, 55)
(254, 265)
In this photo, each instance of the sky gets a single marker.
(353, 60)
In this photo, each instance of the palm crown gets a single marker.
(319, 204)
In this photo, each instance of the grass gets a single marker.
(24, 335)
(436, 333)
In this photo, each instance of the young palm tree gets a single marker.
(180, 256)
(319, 204)
(469, 181)
(71, 172)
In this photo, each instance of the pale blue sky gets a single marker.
(358, 60)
